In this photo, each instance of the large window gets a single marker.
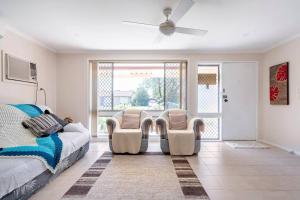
(153, 86)
(138, 85)
(147, 86)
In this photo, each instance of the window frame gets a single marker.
(183, 64)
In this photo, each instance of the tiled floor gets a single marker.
(226, 173)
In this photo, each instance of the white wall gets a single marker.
(72, 76)
(24, 48)
(280, 125)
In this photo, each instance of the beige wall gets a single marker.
(21, 47)
(72, 76)
(280, 125)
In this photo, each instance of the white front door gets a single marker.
(239, 100)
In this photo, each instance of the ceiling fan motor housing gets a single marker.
(167, 28)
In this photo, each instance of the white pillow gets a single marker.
(75, 127)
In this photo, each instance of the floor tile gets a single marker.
(225, 173)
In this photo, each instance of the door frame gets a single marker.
(220, 63)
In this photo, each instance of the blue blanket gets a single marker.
(29, 109)
(48, 149)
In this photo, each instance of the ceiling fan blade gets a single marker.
(183, 7)
(140, 24)
(190, 31)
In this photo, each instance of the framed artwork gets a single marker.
(279, 84)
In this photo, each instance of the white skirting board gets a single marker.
(247, 145)
(292, 151)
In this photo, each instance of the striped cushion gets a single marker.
(42, 125)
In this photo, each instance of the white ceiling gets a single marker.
(74, 25)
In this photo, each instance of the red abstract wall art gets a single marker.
(279, 84)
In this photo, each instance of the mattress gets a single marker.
(15, 172)
(72, 141)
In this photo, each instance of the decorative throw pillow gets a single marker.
(43, 125)
(59, 120)
(130, 121)
(178, 121)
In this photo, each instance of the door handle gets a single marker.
(225, 97)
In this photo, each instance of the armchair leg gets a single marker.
(110, 146)
(144, 146)
(164, 145)
(197, 146)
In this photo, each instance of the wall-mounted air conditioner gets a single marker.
(16, 69)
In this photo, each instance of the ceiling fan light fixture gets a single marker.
(167, 28)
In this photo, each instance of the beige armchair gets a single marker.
(185, 141)
(129, 131)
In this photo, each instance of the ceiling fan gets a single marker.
(169, 27)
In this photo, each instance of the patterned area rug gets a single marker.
(152, 175)
(189, 182)
(83, 185)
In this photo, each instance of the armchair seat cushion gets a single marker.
(181, 142)
(127, 140)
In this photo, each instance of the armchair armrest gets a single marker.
(162, 126)
(196, 124)
(112, 124)
(146, 124)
